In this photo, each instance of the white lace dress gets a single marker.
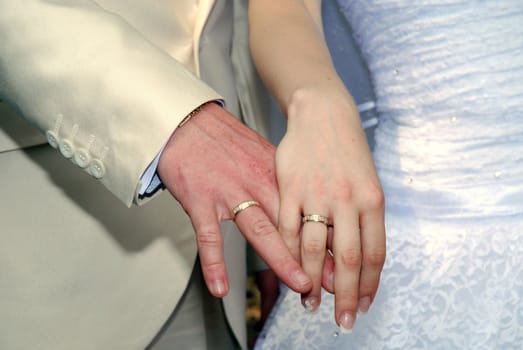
(448, 78)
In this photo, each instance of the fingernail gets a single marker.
(311, 305)
(346, 322)
(300, 278)
(218, 287)
(364, 305)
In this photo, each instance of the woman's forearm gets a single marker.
(288, 47)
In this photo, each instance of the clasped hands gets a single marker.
(214, 163)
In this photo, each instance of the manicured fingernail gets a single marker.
(218, 287)
(346, 322)
(300, 278)
(364, 305)
(311, 305)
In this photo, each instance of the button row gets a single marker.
(80, 157)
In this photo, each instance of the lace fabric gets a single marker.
(454, 285)
(448, 78)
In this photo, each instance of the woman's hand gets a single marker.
(324, 168)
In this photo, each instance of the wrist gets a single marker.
(315, 103)
(311, 89)
(193, 113)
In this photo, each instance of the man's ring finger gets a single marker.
(242, 206)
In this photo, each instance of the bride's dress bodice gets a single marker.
(448, 80)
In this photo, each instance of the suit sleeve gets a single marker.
(105, 97)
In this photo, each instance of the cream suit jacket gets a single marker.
(91, 91)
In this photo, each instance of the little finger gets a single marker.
(210, 247)
(347, 267)
(373, 248)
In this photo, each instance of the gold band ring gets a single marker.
(315, 218)
(242, 206)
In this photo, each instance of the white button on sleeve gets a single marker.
(66, 148)
(52, 138)
(96, 168)
(81, 158)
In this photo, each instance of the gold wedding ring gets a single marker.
(242, 206)
(315, 218)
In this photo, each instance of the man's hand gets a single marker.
(212, 164)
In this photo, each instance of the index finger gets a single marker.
(267, 241)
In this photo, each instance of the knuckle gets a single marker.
(371, 194)
(289, 229)
(262, 228)
(313, 248)
(374, 259)
(351, 258)
(348, 298)
(208, 238)
(345, 192)
(212, 266)
(375, 199)
(367, 287)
